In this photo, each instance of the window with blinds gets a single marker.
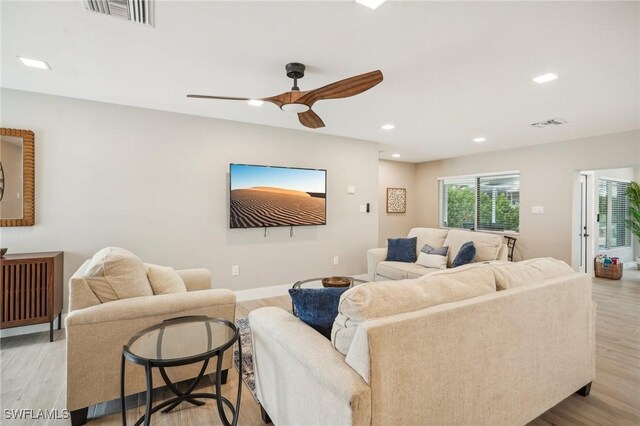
(613, 208)
(490, 203)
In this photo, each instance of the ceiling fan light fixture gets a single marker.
(388, 126)
(396, 155)
(255, 102)
(371, 4)
(479, 139)
(295, 108)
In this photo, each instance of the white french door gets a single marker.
(584, 232)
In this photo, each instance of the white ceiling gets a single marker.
(452, 71)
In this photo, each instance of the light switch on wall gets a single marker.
(351, 189)
(363, 208)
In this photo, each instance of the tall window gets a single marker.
(481, 202)
(613, 208)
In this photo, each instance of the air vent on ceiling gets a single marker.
(549, 122)
(140, 11)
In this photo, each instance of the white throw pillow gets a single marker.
(432, 260)
(164, 279)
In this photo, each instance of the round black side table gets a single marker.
(182, 341)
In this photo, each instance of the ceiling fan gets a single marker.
(301, 102)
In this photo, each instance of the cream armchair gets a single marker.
(96, 333)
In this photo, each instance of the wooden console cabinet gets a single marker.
(31, 285)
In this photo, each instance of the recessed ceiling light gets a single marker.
(35, 63)
(255, 102)
(395, 155)
(544, 78)
(371, 4)
(479, 140)
(388, 127)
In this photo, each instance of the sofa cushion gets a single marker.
(317, 307)
(487, 245)
(551, 267)
(511, 275)
(432, 236)
(380, 299)
(401, 270)
(114, 273)
(465, 255)
(401, 249)
(164, 279)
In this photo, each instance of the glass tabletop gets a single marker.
(317, 282)
(182, 338)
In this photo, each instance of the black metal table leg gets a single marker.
(147, 416)
(51, 331)
(60, 320)
(237, 411)
(234, 411)
(177, 392)
(122, 393)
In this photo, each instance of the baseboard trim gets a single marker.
(28, 329)
(262, 292)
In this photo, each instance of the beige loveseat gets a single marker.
(96, 333)
(488, 247)
(485, 357)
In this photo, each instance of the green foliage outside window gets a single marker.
(460, 211)
(460, 206)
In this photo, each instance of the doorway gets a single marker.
(599, 213)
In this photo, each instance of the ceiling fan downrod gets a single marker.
(295, 70)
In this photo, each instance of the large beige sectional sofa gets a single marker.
(484, 344)
(488, 247)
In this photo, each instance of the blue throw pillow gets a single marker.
(465, 255)
(317, 307)
(402, 249)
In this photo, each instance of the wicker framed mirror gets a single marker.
(17, 180)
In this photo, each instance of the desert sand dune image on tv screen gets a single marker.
(270, 206)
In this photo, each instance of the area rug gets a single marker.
(247, 355)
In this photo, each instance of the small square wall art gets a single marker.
(396, 200)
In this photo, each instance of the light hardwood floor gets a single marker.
(33, 372)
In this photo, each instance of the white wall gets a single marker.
(549, 177)
(396, 174)
(157, 183)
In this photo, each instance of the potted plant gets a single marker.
(633, 222)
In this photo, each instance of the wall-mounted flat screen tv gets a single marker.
(265, 196)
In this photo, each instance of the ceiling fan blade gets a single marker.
(344, 88)
(310, 119)
(220, 97)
